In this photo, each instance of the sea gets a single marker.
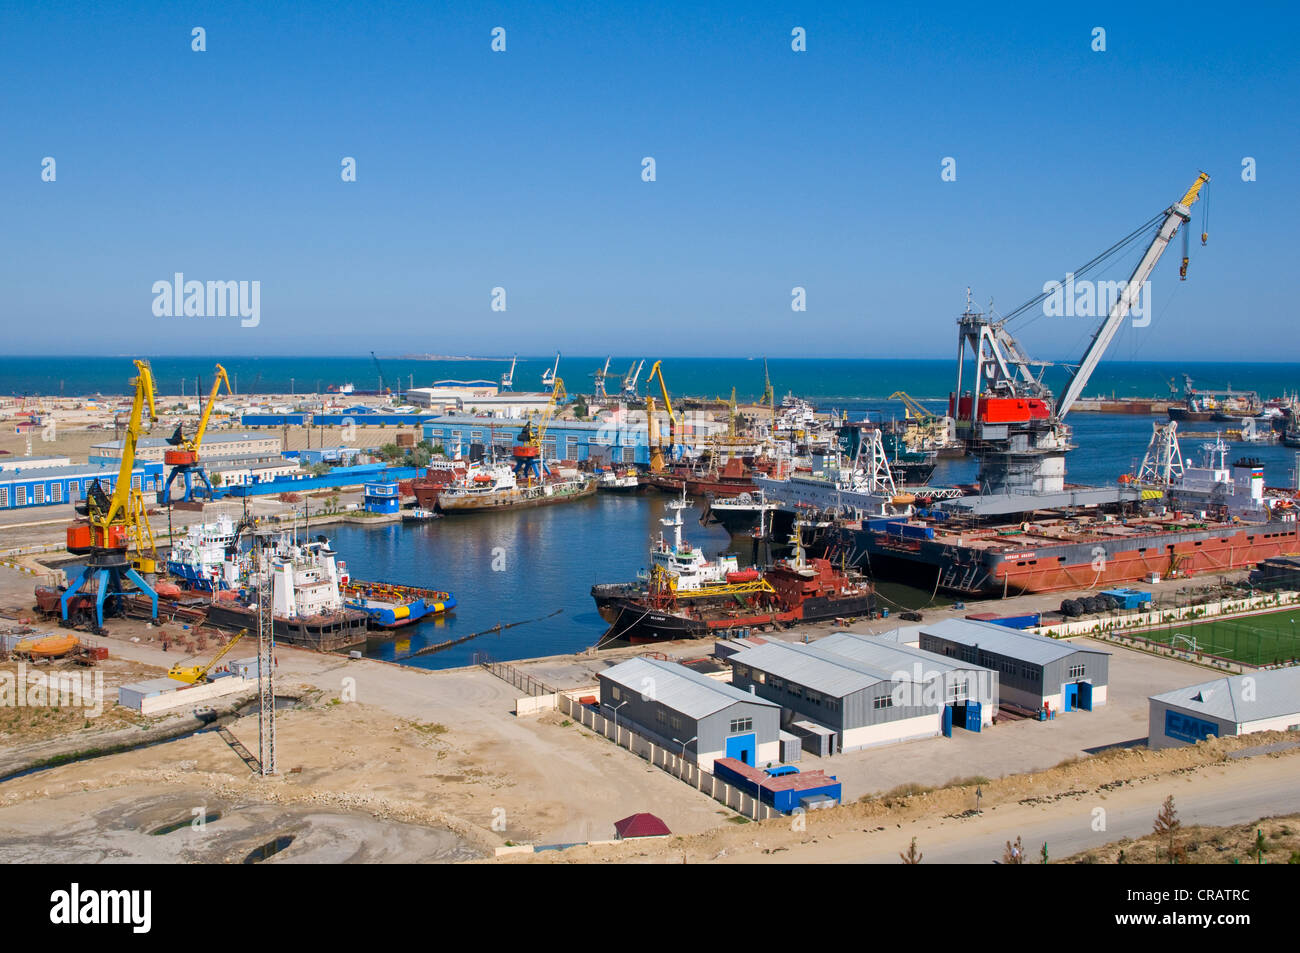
(522, 579)
(822, 380)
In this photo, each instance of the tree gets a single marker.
(913, 856)
(1167, 825)
(1015, 853)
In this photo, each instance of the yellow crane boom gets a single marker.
(657, 371)
(913, 406)
(194, 674)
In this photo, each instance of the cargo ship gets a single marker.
(1215, 517)
(437, 477)
(391, 606)
(491, 486)
(1055, 552)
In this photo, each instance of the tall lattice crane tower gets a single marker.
(1163, 463)
(265, 662)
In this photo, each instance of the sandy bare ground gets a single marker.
(1058, 807)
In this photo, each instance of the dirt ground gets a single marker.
(878, 830)
(1207, 845)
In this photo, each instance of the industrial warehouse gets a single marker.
(865, 692)
(700, 717)
(1034, 672)
(1267, 700)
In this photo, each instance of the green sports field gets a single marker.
(1256, 640)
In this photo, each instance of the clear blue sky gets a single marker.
(523, 170)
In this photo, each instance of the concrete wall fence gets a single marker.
(666, 760)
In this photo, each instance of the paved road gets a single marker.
(1233, 793)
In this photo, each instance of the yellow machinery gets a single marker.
(116, 531)
(652, 425)
(184, 457)
(197, 674)
(914, 408)
(528, 448)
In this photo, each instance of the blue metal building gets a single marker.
(617, 443)
(49, 486)
(380, 497)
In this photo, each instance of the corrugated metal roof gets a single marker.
(1011, 643)
(66, 472)
(1241, 698)
(891, 656)
(813, 668)
(678, 688)
(208, 440)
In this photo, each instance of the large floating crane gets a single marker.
(1009, 417)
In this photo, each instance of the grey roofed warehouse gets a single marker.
(690, 713)
(1034, 671)
(1266, 700)
(903, 695)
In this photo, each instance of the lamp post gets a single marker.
(616, 708)
(679, 741)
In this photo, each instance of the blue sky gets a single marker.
(522, 170)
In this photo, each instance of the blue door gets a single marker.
(1085, 696)
(947, 721)
(973, 716)
(1071, 696)
(744, 748)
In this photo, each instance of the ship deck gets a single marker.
(1046, 534)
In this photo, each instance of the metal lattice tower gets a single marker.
(265, 666)
(1163, 463)
(881, 480)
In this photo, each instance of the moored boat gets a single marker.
(391, 606)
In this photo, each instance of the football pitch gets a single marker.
(1265, 639)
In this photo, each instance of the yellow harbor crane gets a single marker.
(528, 447)
(115, 534)
(184, 457)
(197, 674)
(652, 425)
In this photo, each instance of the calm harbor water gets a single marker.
(548, 558)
